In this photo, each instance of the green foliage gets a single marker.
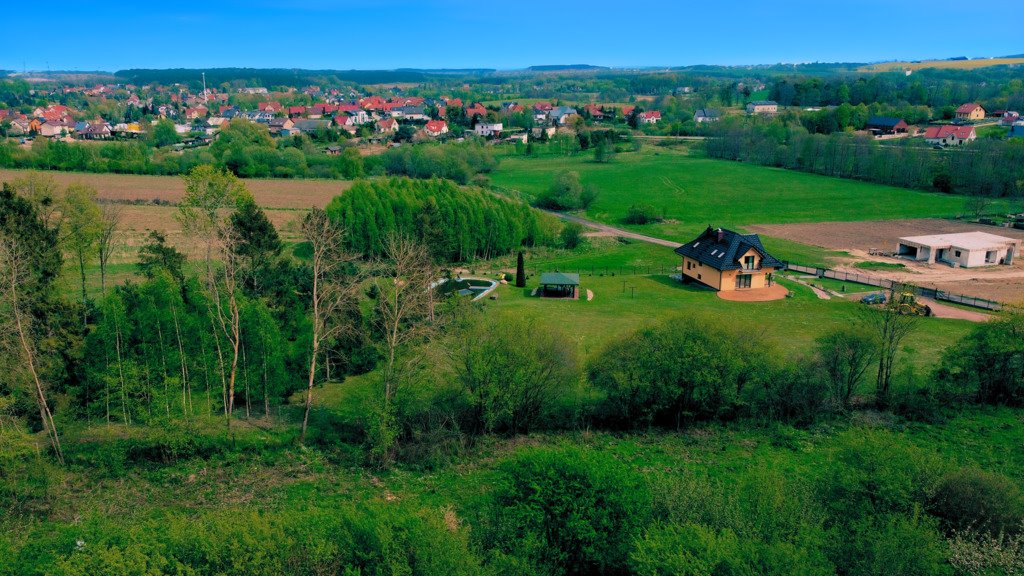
(156, 257)
(973, 499)
(256, 242)
(892, 544)
(458, 162)
(457, 224)
(564, 512)
(988, 364)
(566, 193)
(571, 235)
(164, 133)
(876, 473)
(642, 214)
(512, 373)
(680, 370)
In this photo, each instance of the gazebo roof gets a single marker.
(559, 279)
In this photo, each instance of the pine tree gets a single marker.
(520, 272)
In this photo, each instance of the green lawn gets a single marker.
(625, 301)
(695, 192)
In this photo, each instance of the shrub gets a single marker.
(892, 544)
(564, 511)
(566, 193)
(974, 499)
(875, 472)
(571, 235)
(642, 214)
(698, 550)
(681, 370)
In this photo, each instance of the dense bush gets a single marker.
(642, 214)
(458, 162)
(566, 193)
(681, 370)
(564, 512)
(457, 224)
(374, 539)
(988, 364)
(972, 499)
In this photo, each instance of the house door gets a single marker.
(742, 281)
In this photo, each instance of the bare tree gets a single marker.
(13, 275)
(110, 220)
(225, 300)
(332, 291)
(891, 324)
(404, 284)
(845, 355)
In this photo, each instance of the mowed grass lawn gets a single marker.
(693, 192)
(626, 302)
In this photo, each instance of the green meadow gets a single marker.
(693, 192)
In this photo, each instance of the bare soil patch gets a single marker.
(269, 193)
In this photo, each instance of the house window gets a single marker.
(743, 281)
(698, 276)
(748, 262)
(957, 252)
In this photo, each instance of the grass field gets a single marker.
(626, 301)
(693, 192)
(946, 64)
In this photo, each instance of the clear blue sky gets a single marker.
(385, 34)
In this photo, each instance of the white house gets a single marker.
(966, 249)
(949, 135)
(485, 129)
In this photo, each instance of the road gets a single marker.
(613, 231)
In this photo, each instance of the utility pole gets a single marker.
(206, 97)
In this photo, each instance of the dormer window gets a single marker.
(748, 262)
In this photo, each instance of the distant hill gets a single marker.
(560, 67)
(267, 76)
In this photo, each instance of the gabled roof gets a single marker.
(707, 113)
(436, 126)
(960, 132)
(968, 108)
(559, 279)
(721, 249)
(764, 103)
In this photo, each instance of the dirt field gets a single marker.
(1001, 283)
(268, 193)
(948, 64)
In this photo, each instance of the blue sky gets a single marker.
(385, 34)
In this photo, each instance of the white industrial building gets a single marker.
(967, 249)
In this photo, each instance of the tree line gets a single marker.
(990, 168)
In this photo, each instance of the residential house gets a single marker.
(651, 117)
(279, 124)
(562, 114)
(296, 111)
(270, 107)
(333, 150)
(725, 260)
(885, 125)
(435, 128)
(627, 110)
(970, 111)
(541, 132)
(949, 135)
(409, 113)
(309, 125)
(98, 130)
(253, 91)
(197, 112)
(486, 130)
(706, 115)
(594, 111)
(54, 129)
(1009, 117)
(476, 110)
(387, 126)
(19, 127)
(763, 107)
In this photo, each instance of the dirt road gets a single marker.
(613, 231)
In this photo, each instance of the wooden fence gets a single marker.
(888, 284)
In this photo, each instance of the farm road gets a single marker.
(607, 230)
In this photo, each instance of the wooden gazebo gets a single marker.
(559, 285)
